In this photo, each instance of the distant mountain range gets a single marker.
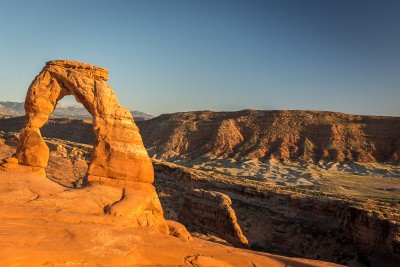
(13, 109)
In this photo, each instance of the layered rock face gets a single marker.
(118, 150)
(119, 158)
(212, 210)
(284, 135)
(328, 227)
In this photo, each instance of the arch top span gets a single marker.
(118, 151)
(83, 68)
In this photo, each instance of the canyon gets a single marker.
(320, 185)
(65, 203)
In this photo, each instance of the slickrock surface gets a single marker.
(45, 224)
(212, 210)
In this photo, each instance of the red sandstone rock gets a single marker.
(205, 261)
(118, 149)
(284, 135)
(179, 230)
(119, 158)
(9, 163)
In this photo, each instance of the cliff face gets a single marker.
(325, 226)
(284, 135)
(212, 211)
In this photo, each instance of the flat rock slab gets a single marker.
(45, 224)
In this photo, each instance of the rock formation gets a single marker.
(323, 226)
(212, 210)
(9, 163)
(118, 158)
(118, 151)
(204, 261)
(284, 135)
(329, 226)
(43, 224)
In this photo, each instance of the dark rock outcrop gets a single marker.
(212, 211)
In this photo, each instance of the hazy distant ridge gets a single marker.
(8, 108)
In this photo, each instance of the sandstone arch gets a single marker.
(119, 158)
(118, 152)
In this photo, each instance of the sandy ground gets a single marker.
(45, 224)
(370, 180)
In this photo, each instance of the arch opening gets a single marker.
(68, 107)
(118, 151)
(68, 134)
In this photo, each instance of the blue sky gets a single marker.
(168, 56)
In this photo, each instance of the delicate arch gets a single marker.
(118, 151)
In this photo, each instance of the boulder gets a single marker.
(179, 230)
